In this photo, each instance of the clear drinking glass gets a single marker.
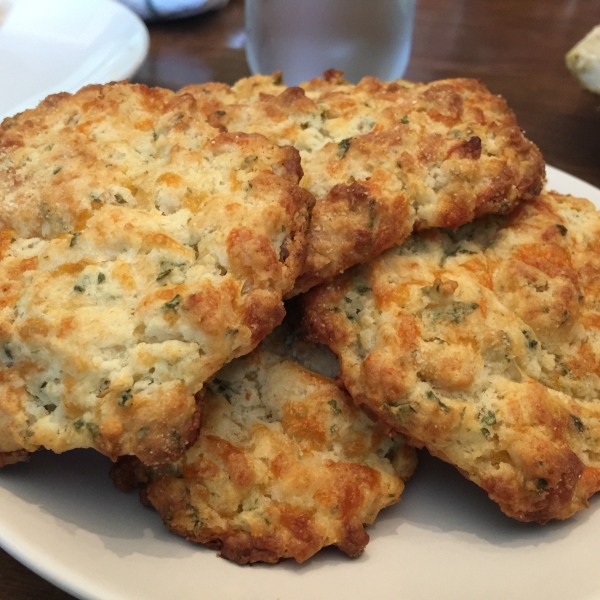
(303, 38)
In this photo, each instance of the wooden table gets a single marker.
(516, 47)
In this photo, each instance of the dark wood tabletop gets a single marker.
(515, 47)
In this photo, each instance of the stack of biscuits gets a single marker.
(438, 297)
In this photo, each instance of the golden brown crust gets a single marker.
(384, 158)
(285, 464)
(481, 344)
(162, 250)
(10, 458)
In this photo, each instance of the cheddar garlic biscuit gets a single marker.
(383, 159)
(285, 464)
(482, 344)
(140, 251)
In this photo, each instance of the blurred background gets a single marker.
(515, 47)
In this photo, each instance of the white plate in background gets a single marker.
(49, 46)
(446, 540)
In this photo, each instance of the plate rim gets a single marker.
(130, 61)
(67, 578)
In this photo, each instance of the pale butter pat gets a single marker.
(583, 60)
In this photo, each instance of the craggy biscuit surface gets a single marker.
(483, 345)
(285, 464)
(383, 159)
(140, 250)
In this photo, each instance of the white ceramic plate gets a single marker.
(446, 540)
(60, 46)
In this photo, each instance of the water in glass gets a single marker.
(303, 38)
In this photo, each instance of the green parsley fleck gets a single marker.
(173, 303)
(334, 406)
(176, 437)
(372, 215)
(142, 433)
(489, 418)
(8, 353)
(163, 274)
(456, 312)
(56, 170)
(404, 120)
(224, 388)
(562, 229)
(529, 342)
(431, 396)
(343, 146)
(101, 277)
(92, 428)
(577, 422)
(124, 398)
(74, 239)
(195, 516)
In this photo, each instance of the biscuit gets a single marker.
(482, 344)
(285, 464)
(140, 251)
(383, 159)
